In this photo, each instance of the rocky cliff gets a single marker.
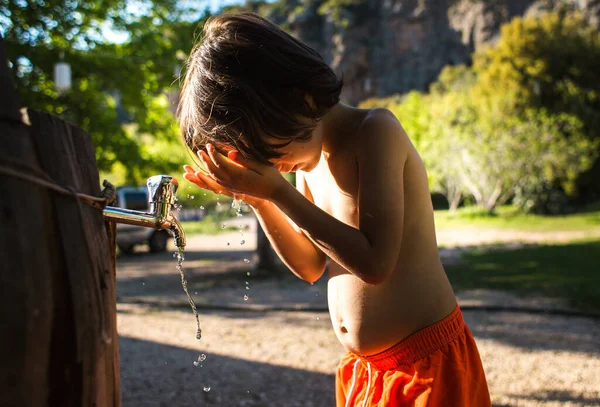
(393, 46)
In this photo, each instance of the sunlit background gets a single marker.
(500, 98)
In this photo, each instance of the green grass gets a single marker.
(508, 217)
(210, 225)
(569, 271)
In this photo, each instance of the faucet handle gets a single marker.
(162, 188)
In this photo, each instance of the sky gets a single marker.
(117, 37)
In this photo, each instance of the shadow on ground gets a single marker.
(216, 280)
(572, 398)
(533, 332)
(232, 382)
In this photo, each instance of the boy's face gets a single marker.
(299, 155)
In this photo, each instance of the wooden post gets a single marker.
(58, 302)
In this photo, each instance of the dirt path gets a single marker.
(288, 359)
(260, 357)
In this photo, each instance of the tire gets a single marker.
(125, 248)
(158, 242)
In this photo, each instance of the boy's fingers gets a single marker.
(220, 169)
(188, 169)
(193, 179)
(217, 158)
(210, 183)
(207, 162)
(238, 158)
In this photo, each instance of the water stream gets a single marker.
(180, 257)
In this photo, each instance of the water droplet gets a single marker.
(207, 388)
(192, 197)
(247, 288)
(143, 283)
(246, 261)
(245, 298)
(247, 283)
(247, 273)
(218, 203)
(318, 318)
(201, 207)
(242, 242)
(202, 357)
(196, 292)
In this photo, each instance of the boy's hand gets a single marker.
(200, 179)
(241, 175)
(235, 175)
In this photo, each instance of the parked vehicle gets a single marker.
(129, 236)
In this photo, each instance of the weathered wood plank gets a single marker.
(67, 156)
(9, 102)
(57, 279)
(25, 296)
(26, 277)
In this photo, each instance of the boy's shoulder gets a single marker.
(380, 125)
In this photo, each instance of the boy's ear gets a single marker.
(310, 101)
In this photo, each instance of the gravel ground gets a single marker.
(278, 348)
(289, 358)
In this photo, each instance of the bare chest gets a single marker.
(334, 188)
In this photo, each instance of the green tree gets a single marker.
(111, 82)
(549, 63)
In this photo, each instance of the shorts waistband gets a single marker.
(420, 344)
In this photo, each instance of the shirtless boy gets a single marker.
(256, 102)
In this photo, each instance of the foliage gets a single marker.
(550, 62)
(112, 82)
(517, 125)
(339, 10)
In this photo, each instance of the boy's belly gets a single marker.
(369, 319)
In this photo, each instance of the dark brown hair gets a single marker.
(247, 79)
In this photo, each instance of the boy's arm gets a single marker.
(371, 251)
(301, 255)
(298, 253)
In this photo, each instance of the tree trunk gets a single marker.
(266, 255)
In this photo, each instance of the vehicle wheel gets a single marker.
(158, 242)
(125, 248)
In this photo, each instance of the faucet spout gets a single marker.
(161, 196)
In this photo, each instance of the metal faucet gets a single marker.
(161, 195)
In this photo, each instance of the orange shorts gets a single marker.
(437, 366)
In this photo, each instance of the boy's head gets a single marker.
(252, 87)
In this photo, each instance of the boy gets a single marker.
(257, 102)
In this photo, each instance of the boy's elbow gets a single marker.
(375, 274)
(314, 272)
